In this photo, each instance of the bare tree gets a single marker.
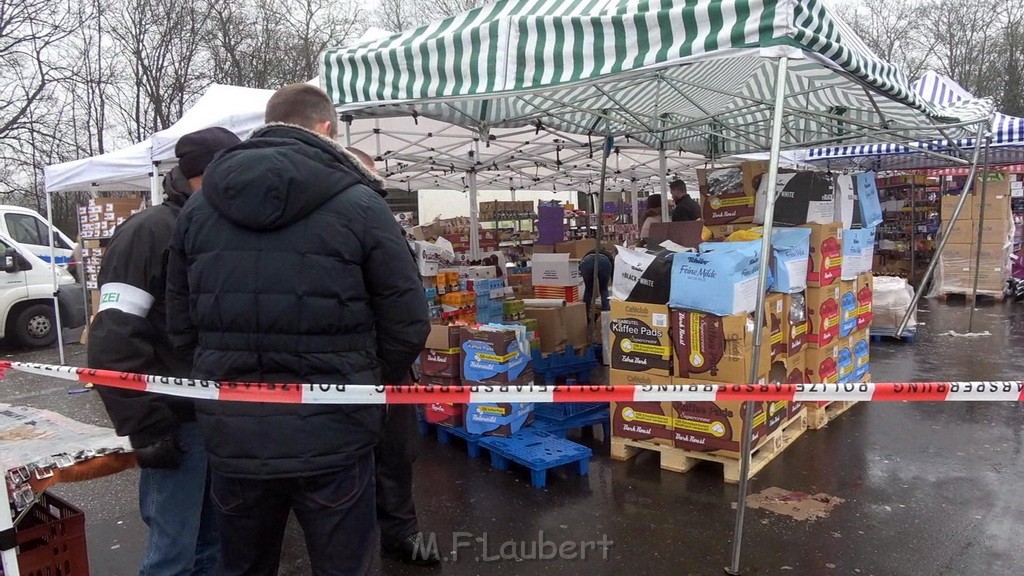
(159, 38)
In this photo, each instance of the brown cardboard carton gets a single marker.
(796, 373)
(442, 363)
(444, 414)
(777, 413)
(963, 232)
(716, 427)
(557, 327)
(648, 421)
(640, 338)
(443, 337)
(774, 310)
(994, 230)
(727, 194)
(865, 300)
(716, 348)
(822, 316)
(821, 365)
(826, 260)
(794, 322)
(949, 206)
(997, 206)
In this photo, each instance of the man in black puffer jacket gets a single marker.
(289, 267)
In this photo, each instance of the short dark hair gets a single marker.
(678, 185)
(302, 104)
(654, 201)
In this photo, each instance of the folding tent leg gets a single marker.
(977, 255)
(945, 237)
(53, 270)
(762, 285)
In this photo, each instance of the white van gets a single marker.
(26, 297)
(28, 228)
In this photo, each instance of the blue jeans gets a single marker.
(176, 506)
(336, 512)
(604, 276)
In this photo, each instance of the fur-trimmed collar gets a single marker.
(354, 160)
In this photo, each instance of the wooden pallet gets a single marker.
(680, 460)
(818, 416)
(968, 296)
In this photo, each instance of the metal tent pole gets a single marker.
(977, 252)
(762, 285)
(913, 224)
(663, 169)
(155, 197)
(474, 217)
(634, 203)
(596, 287)
(945, 237)
(53, 271)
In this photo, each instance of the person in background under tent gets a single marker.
(130, 334)
(604, 260)
(651, 216)
(686, 208)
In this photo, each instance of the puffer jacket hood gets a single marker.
(280, 175)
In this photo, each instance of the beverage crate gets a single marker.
(51, 539)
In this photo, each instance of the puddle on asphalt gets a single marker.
(797, 505)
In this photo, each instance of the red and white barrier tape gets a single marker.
(1004, 391)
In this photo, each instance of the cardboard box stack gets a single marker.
(557, 277)
(496, 355)
(956, 271)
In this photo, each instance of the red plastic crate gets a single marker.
(51, 540)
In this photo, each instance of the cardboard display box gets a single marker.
(826, 262)
(554, 270)
(648, 421)
(498, 419)
(794, 322)
(727, 194)
(844, 361)
(557, 327)
(860, 344)
(802, 198)
(640, 338)
(495, 356)
(821, 365)
(628, 378)
(445, 414)
(823, 316)
(848, 306)
(716, 427)
(717, 348)
(865, 300)
(963, 232)
(796, 373)
(774, 310)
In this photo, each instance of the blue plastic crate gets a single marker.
(539, 452)
(551, 411)
(561, 427)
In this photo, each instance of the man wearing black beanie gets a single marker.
(129, 333)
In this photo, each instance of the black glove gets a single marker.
(164, 453)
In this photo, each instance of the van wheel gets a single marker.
(34, 326)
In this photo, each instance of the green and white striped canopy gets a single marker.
(688, 75)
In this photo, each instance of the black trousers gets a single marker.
(396, 513)
(335, 512)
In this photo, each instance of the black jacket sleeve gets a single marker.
(128, 333)
(393, 283)
(180, 328)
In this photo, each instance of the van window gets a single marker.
(26, 229)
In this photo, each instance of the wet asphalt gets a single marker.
(930, 489)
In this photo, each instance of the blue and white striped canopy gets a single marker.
(1006, 132)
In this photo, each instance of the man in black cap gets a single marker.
(129, 333)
